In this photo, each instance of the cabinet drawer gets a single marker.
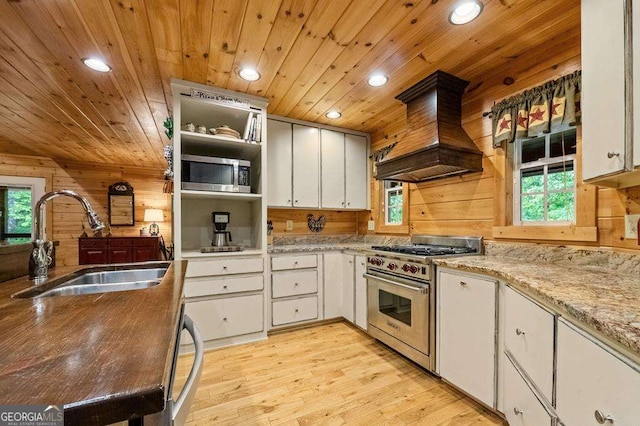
(289, 311)
(228, 317)
(205, 286)
(294, 283)
(591, 378)
(529, 338)
(521, 406)
(209, 267)
(145, 241)
(294, 262)
(88, 243)
(119, 242)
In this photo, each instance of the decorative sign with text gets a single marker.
(219, 99)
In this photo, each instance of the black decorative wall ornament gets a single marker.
(315, 225)
(379, 154)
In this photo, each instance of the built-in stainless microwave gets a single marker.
(215, 174)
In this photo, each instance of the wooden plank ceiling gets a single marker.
(314, 55)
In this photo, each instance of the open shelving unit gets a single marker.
(213, 108)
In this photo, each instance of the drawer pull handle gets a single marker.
(224, 287)
(296, 310)
(601, 418)
(295, 284)
(519, 332)
(612, 154)
(295, 263)
(462, 283)
(224, 319)
(224, 267)
(517, 411)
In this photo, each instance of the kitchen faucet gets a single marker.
(41, 255)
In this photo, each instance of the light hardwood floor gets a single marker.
(332, 374)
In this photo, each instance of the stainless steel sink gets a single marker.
(100, 280)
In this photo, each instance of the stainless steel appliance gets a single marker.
(221, 237)
(215, 174)
(401, 293)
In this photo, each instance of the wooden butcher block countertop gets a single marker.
(106, 357)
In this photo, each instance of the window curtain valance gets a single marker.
(542, 109)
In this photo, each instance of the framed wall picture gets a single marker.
(121, 204)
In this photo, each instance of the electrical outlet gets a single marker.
(371, 225)
(631, 225)
(289, 225)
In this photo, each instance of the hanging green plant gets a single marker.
(168, 124)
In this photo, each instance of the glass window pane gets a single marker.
(532, 180)
(562, 143)
(532, 208)
(397, 307)
(18, 212)
(561, 176)
(392, 184)
(533, 149)
(561, 206)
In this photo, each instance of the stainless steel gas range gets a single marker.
(401, 293)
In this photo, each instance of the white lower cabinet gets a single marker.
(521, 406)
(348, 287)
(594, 383)
(466, 321)
(332, 273)
(294, 289)
(227, 317)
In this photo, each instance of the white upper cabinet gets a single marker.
(279, 163)
(610, 102)
(306, 166)
(333, 170)
(355, 148)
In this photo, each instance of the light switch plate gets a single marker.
(289, 225)
(371, 225)
(631, 225)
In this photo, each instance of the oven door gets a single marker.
(400, 308)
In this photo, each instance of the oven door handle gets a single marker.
(421, 290)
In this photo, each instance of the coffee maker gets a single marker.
(221, 237)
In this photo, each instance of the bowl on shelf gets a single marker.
(225, 130)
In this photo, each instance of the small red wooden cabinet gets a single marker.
(105, 250)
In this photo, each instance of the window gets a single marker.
(544, 179)
(393, 202)
(17, 198)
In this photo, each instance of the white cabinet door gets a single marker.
(360, 284)
(466, 311)
(590, 379)
(603, 88)
(348, 287)
(306, 166)
(279, 164)
(332, 151)
(356, 182)
(332, 264)
(521, 406)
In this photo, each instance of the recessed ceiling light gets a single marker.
(96, 64)
(378, 80)
(249, 74)
(333, 114)
(465, 12)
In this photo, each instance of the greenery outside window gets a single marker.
(393, 203)
(544, 179)
(15, 211)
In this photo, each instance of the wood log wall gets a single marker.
(464, 205)
(65, 216)
(337, 222)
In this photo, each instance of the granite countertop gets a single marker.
(338, 246)
(602, 299)
(106, 357)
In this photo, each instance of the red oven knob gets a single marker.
(413, 269)
(378, 261)
(406, 267)
(392, 266)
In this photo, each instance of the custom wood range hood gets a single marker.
(435, 144)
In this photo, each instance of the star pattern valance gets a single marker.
(538, 110)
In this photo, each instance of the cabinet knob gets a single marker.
(463, 284)
(224, 267)
(517, 411)
(296, 201)
(295, 284)
(348, 203)
(295, 262)
(296, 310)
(224, 287)
(288, 201)
(612, 154)
(601, 418)
(224, 319)
(519, 332)
(342, 203)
